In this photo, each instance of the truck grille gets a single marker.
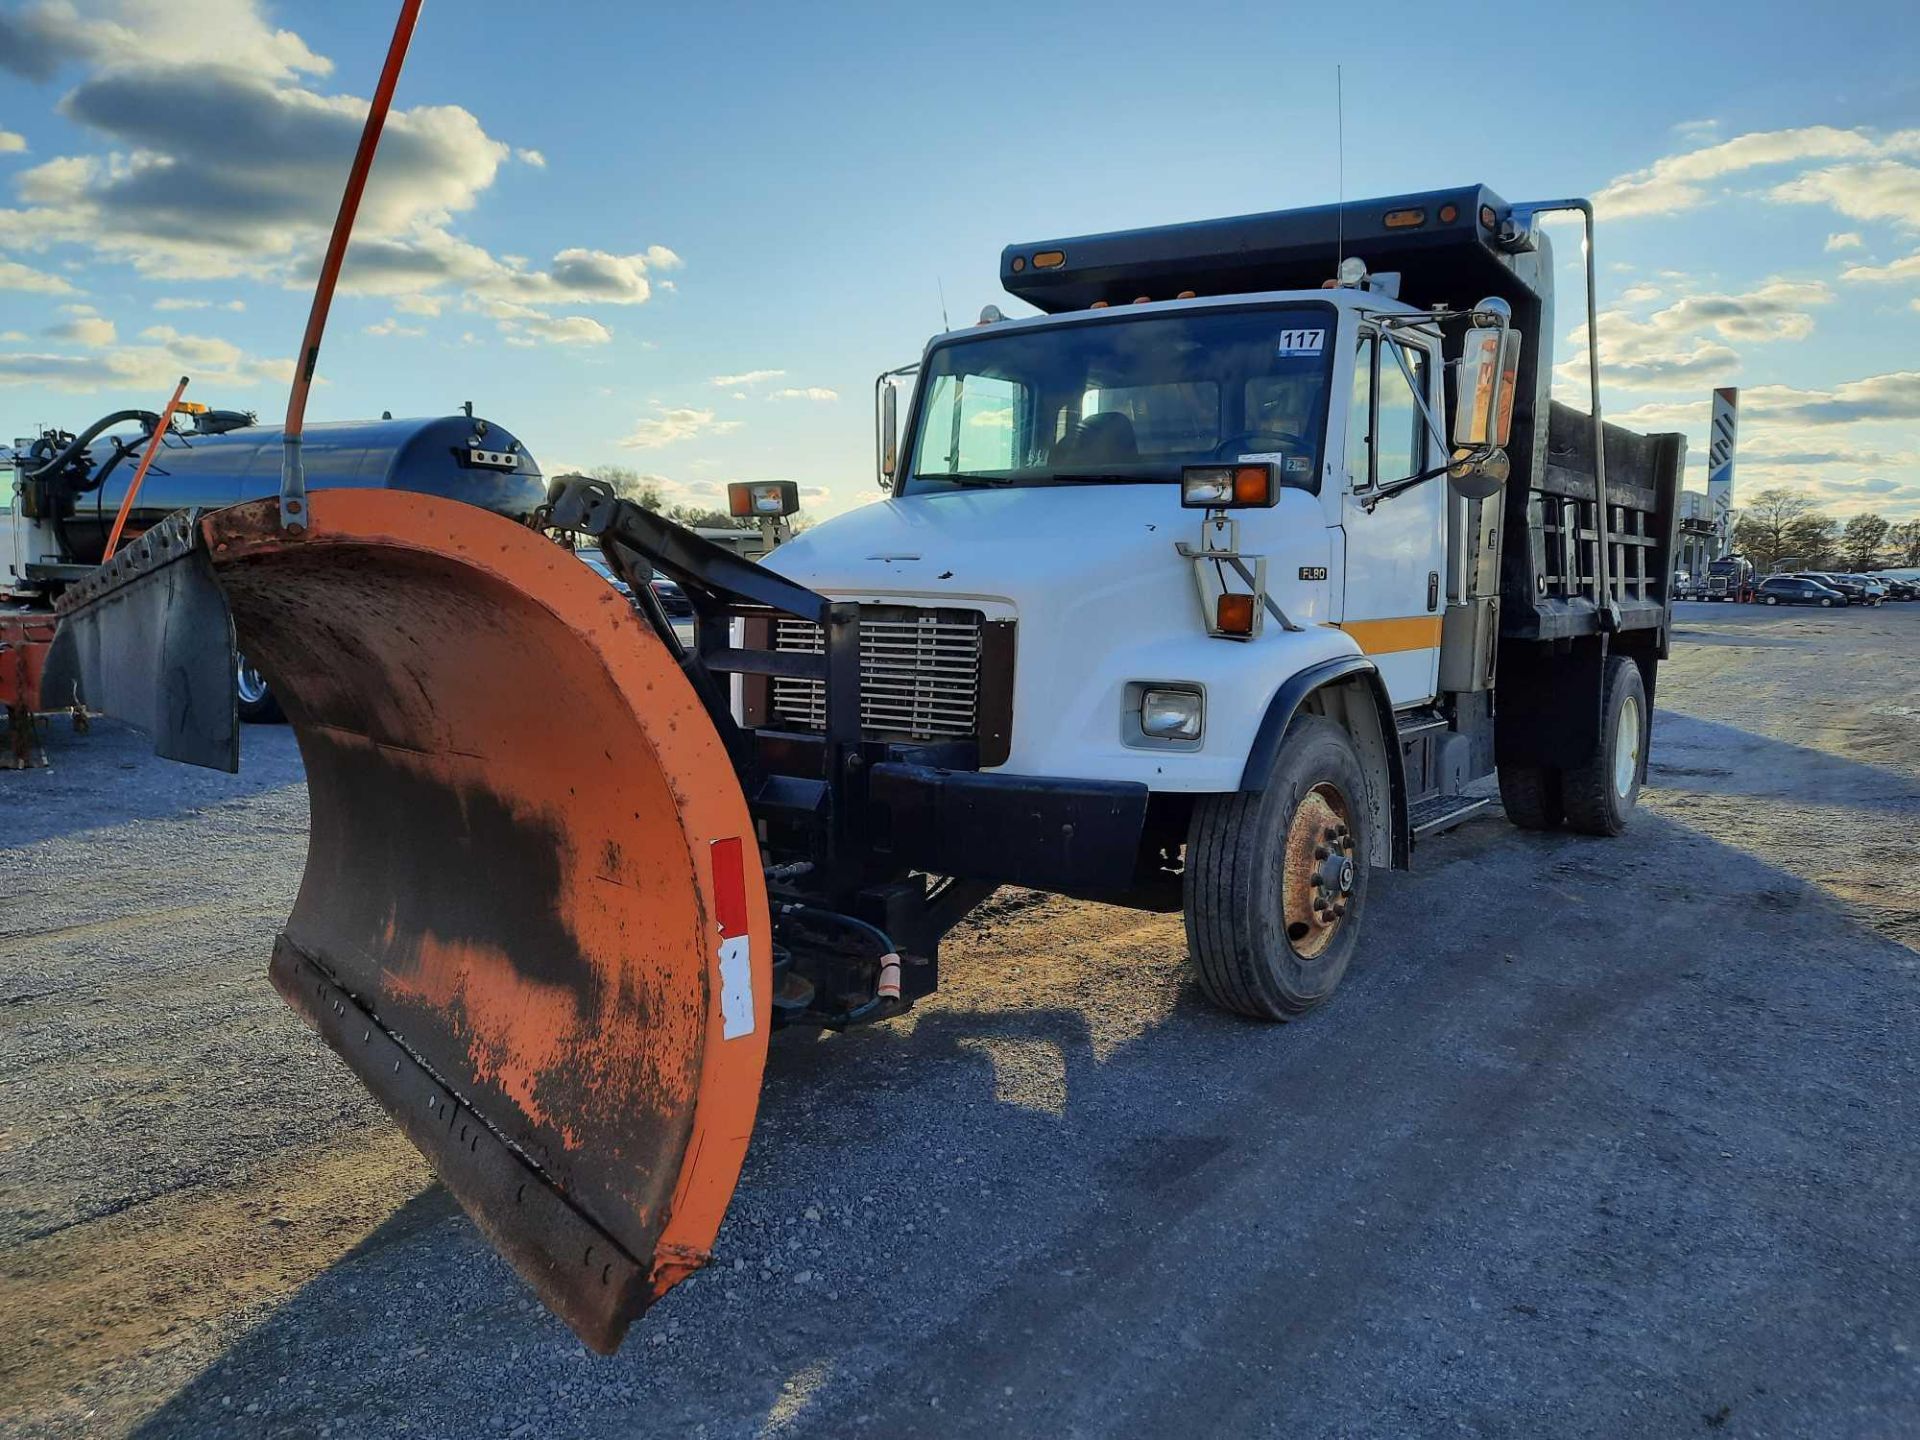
(919, 675)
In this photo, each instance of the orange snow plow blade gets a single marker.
(533, 919)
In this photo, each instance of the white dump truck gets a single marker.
(1215, 586)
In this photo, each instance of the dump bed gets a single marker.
(1547, 564)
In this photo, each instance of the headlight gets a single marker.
(1171, 714)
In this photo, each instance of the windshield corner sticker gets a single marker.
(1301, 342)
(1299, 464)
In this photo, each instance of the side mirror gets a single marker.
(1484, 383)
(1479, 474)
(1485, 379)
(889, 431)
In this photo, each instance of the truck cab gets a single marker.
(1239, 491)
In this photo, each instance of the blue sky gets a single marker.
(684, 239)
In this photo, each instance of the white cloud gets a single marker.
(266, 151)
(524, 325)
(43, 37)
(418, 304)
(1907, 267)
(15, 276)
(391, 326)
(1844, 240)
(153, 366)
(745, 377)
(1678, 182)
(180, 302)
(1890, 398)
(12, 143)
(672, 426)
(808, 392)
(1878, 190)
(88, 330)
(1687, 341)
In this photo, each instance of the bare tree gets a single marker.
(1906, 541)
(1860, 542)
(1762, 531)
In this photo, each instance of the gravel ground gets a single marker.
(1600, 1138)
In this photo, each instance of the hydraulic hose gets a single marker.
(77, 446)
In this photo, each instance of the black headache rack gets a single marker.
(1443, 243)
(871, 846)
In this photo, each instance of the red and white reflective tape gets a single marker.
(735, 955)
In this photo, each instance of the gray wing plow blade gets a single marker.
(148, 639)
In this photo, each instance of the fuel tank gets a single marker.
(456, 457)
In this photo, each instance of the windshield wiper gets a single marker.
(1097, 477)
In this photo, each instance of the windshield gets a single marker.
(1127, 399)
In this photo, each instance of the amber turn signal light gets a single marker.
(1233, 615)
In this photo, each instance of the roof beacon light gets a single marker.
(1353, 271)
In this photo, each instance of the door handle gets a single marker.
(1433, 591)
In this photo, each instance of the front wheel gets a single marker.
(1276, 881)
(1601, 793)
(1775, 600)
(1824, 604)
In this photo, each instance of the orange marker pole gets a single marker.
(293, 475)
(140, 474)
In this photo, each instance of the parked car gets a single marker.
(1798, 590)
(1899, 589)
(1856, 591)
(1876, 587)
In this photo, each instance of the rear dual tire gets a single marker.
(1596, 796)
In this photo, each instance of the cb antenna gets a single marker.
(941, 285)
(1340, 170)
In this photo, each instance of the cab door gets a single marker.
(1396, 544)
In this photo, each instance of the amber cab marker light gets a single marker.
(1449, 214)
(1233, 615)
(1019, 263)
(1405, 219)
(1049, 259)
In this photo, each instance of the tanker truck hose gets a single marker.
(78, 445)
(886, 987)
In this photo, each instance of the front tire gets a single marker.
(1276, 882)
(1601, 793)
(1775, 600)
(1826, 604)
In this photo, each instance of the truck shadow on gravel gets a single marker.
(1709, 757)
(108, 777)
(1599, 1137)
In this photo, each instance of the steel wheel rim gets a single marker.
(1626, 747)
(247, 681)
(1318, 871)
